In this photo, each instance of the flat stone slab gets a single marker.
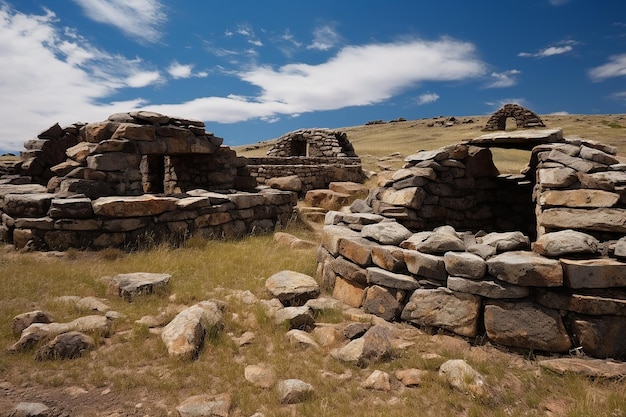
(292, 288)
(566, 243)
(133, 206)
(594, 273)
(488, 288)
(526, 269)
(129, 286)
(604, 219)
(592, 368)
(379, 276)
(518, 139)
(597, 303)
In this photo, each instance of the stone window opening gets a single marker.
(153, 174)
(299, 148)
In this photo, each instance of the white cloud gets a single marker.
(143, 79)
(56, 76)
(141, 19)
(324, 38)
(550, 51)
(559, 113)
(620, 96)
(177, 70)
(427, 98)
(616, 67)
(501, 102)
(503, 79)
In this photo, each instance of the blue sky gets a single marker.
(253, 70)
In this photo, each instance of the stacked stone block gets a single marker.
(524, 118)
(478, 285)
(45, 221)
(456, 185)
(313, 143)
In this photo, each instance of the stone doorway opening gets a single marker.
(153, 174)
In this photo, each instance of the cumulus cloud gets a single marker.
(503, 79)
(139, 19)
(616, 67)
(177, 70)
(427, 98)
(324, 38)
(56, 76)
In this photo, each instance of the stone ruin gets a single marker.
(316, 156)
(134, 176)
(524, 118)
(533, 261)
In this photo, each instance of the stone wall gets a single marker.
(135, 176)
(539, 263)
(524, 118)
(313, 143)
(33, 218)
(314, 173)
(490, 286)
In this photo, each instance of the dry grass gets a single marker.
(130, 373)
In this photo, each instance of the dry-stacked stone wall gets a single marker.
(524, 118)
(137, 175)
(557, 286)
(317, 156)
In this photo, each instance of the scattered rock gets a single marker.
(288, 183)
(293, 391)
(292, 288)
(22, 321)
(70, 345)
(260, 375)
(592, 368)
(25, 409)
(205, 406)
(462, 377)
(377, 380)
(301, 338)
(129, 286)
(410, 377)
(294, 317)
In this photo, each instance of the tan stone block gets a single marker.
(349, 292)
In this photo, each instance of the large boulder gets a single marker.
(292, 288)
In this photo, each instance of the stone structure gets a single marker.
(137, 174)
(548, 276)
(524, 118)
(317, 156)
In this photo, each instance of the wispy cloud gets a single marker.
(559, 113)
(620, 96)
(503, 79)
(247, 32)
(427, 98)
(496, 104)
(137, 19)
(559, 48)
(324, 38)
(616, 67)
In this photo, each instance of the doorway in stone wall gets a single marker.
(153, 174)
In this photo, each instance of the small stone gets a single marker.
(461, 376)
(566, 243)
(292, 288)
(377, 380)
(410, 377)
(260, 375)
(293, 391)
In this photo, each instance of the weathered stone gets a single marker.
(348, 292)
(578, 198)
(484, 251)
(99, 131)
(333, 235)
(462, 377)
(260, 375)
(596, 302)
(592, 368)
(356, 329)
(293, 242)
(620, 248)
(526, 325)
(425, 265)
(37, 332)
(457, 312)
(488, 288)
(594, 273)
(289, 183)
(353, 189)
(391, 258)
(440, 242)
(27, 205)
(294, 317)
(134, 131)
(410, 377)
(465, 265)
(526, 269)
(131, 206)
(292, 288)
(377, 380)
(129, 286)
(506, 241)
(184, 335)
(337, 217)
(70, 208)
(294, 391)
(113, 161)
(601, 219)
(379, 276)
(22, 321)
(204, 405)
(411, 197)
(301, 339)
(566, 243)
(69, 345)
(556, 177)
(28, 409)
(349, 270)
(576, 163)
(382, 303)
(357, 249)
(328, 199)
(386, 233)
(125, 225)
(600, 337)
(374, 346)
